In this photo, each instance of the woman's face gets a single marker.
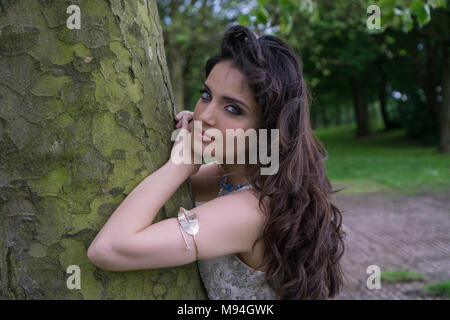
(226, 102)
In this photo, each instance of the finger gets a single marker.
(181, 114)
(184, 123)
(180, 122)
(188, 114)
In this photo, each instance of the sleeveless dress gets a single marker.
(229, 278)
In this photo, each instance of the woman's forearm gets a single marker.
(140, 207)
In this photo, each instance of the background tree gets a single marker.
(336, 45)
(85, 115)
(192, 33)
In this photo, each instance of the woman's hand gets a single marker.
(185, 114)
(185, 118)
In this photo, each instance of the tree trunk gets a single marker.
(361, 112)
(382, 98)
(429, 81)
(176, 61)
(349, 119)
(444, 119)
(339, 114)
(176, 58)
(314, 120)
(85, 115)
(325, 120)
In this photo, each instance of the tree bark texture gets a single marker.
(85, 115)
(176, 61)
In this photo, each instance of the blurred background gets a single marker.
(380, 82)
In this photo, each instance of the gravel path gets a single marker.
(395, 232)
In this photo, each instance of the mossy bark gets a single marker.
(85, 115)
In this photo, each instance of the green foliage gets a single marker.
(418, 121)
(399, 14)
(336, 50)
(192, 33)
(440, 288)
(403, 275)
(262, 15)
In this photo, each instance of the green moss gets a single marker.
(135, 180)
(18, 73)
(100, 13)
(62, 53)
(64, 192)
(135, 89)
(55, 15)
(66, 35)
(109, 136)
(37, 109)
(159, 290)
(117, 85)
(182, 278)
(111, 94)
(95, 8)
(75, 253)
(13, 43)
(54, 180)
(51, 108)
(93, 220)
(49, 85)
(55, 222)
(94, 37)
(64, 120)
(143, 16)
(116, 94)
(173, 294)
(81, 50)
(37, 250)
(101, 95)
(123, 56)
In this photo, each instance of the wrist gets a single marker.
(183, 169)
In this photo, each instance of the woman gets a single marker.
(259, 236)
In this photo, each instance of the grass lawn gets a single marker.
(383, 161)
(440, 288)
(403, 275)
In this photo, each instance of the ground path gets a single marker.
(395, 232)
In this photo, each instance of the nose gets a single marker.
(207, 115)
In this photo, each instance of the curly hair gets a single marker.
(303, 238)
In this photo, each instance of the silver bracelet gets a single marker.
(187, 246)
(189, 222)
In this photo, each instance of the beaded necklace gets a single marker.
(226, 185)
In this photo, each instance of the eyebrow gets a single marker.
(229, 98)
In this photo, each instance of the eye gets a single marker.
(201, 91)
(239, 112)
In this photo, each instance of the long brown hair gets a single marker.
(302, 236)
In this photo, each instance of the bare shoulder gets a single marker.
(236, 214)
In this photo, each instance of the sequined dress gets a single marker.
(229, 278)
